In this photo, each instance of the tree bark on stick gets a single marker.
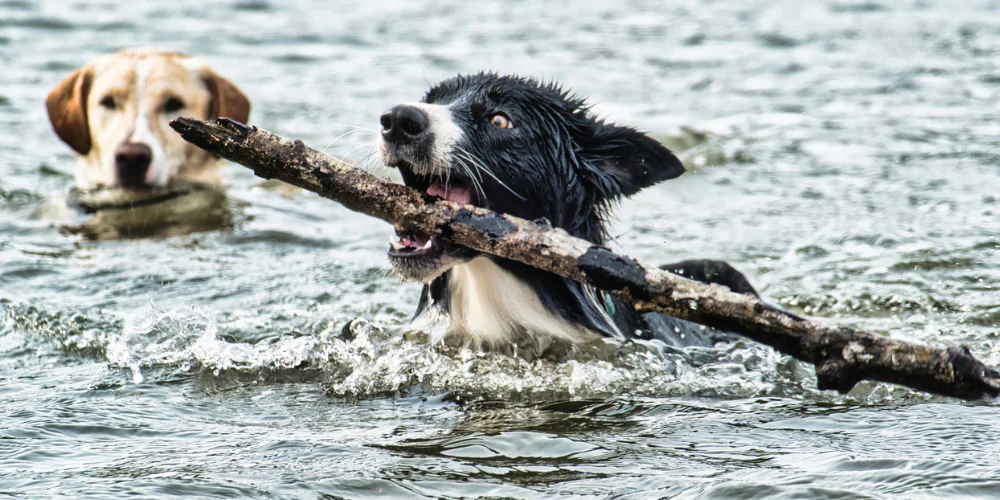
(842, 356)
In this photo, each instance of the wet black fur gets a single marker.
(568, 167)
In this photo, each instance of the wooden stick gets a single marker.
(842, 356)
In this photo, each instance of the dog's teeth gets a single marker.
(397, 246)
(427, 245)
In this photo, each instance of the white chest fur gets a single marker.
(490, 307)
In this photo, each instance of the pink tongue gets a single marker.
(414, 241)
(459, 194)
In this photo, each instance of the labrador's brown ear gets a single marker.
(67, 107)
(227, 100)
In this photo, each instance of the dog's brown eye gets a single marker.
(500, 120)
(173, 104)
(108, 102)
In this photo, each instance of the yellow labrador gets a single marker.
(114, 112)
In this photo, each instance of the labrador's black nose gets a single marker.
(403, 124)
(132, 161)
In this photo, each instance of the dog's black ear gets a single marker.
(622, 160)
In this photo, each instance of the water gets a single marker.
(848, 158)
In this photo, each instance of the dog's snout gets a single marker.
(132, 161)
(403, 123)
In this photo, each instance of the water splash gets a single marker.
(355, 358)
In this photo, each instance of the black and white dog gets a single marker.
(528, 149)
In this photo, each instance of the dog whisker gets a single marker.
(483, 168)
(471, 169)
(477, 184)
(341, 136)
(366, 163)
(358, 147)
(356, 128)
(473, 161)
(474, 176)
(447, 180)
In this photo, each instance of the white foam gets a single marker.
(357, 359)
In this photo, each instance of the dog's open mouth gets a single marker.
(422, 257)
(413, 245)
(425, 245)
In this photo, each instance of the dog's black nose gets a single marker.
(132, 161)
(403, 124)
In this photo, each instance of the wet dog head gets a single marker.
(115, 111)
(516, 146)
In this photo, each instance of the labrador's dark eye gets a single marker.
(108, 102)
(500, 120)
(173, 104)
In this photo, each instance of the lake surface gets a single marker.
(851, 168)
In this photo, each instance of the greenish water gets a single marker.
(853, 170)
